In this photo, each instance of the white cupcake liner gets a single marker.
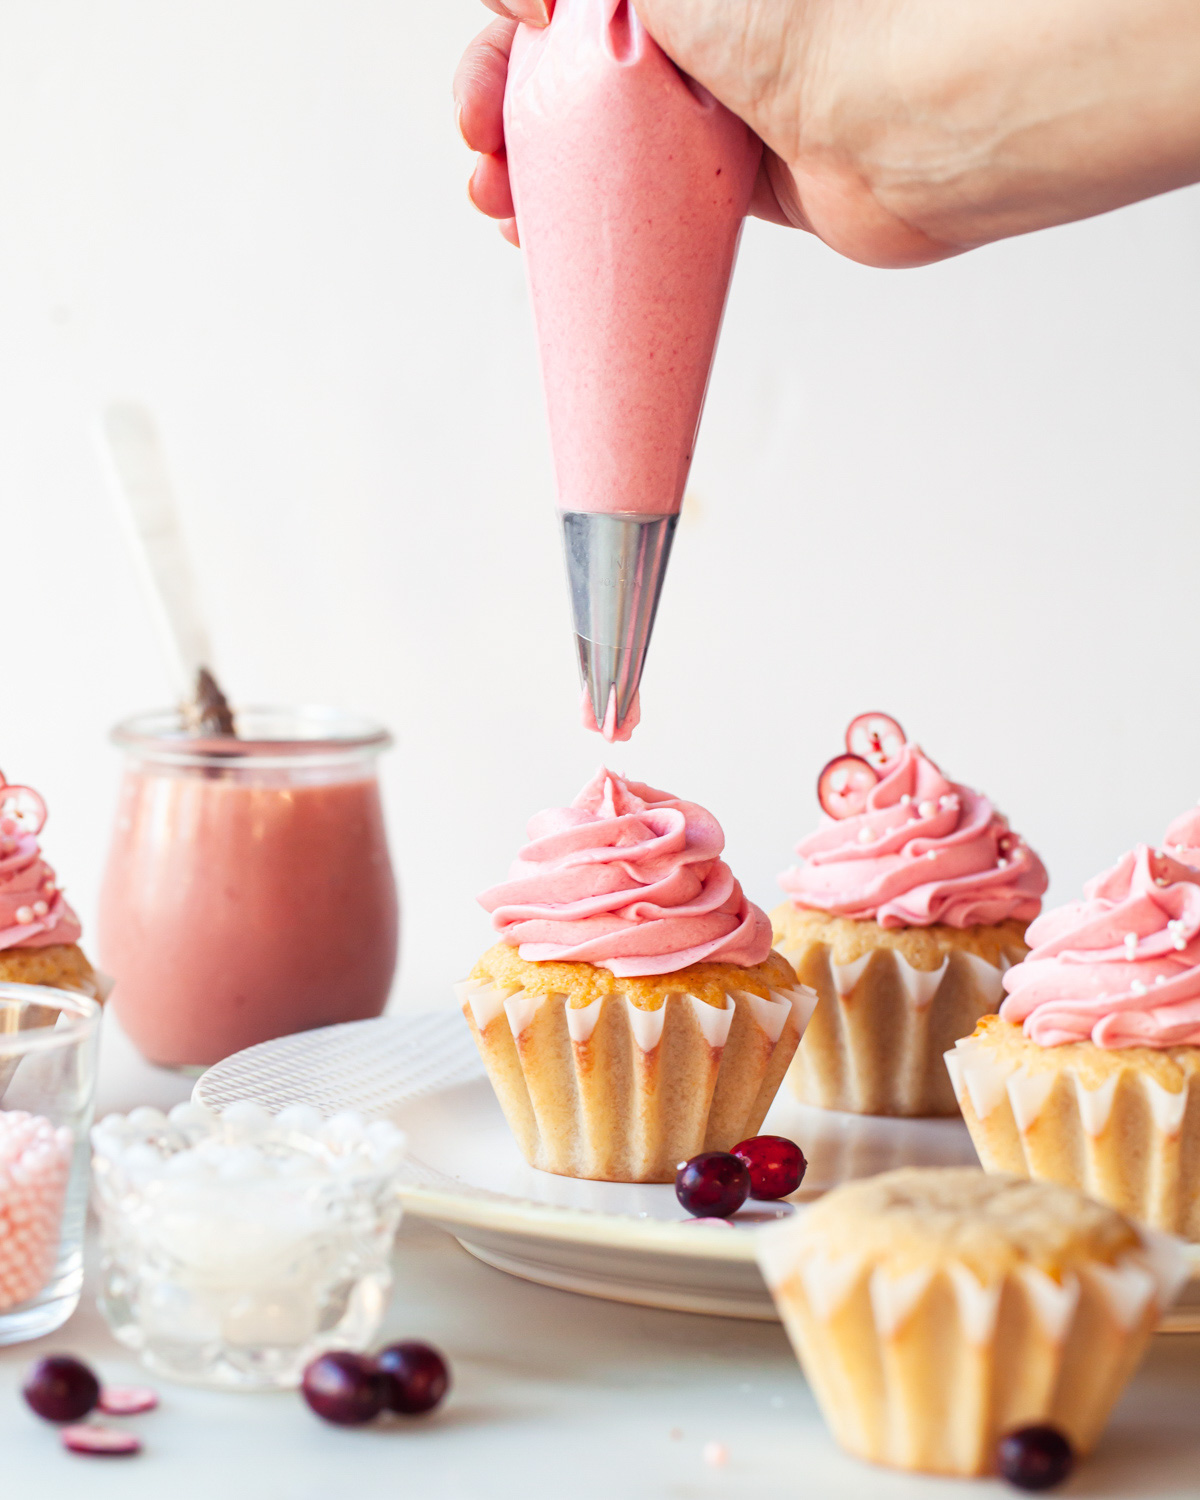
(614, 1092)
(1130, 1142)
(876, 1041)
(926, 1370)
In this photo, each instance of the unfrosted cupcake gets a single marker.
(633, 1013)
(936, 1309)
(39, 933)
(906, 906)
(1090, 1074)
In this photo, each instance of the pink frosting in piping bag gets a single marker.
(33, 911)
(630, 184)
(1121, 967)
(628, 879)
(924, 850)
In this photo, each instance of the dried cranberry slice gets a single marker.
(875, 738)
(844, 785)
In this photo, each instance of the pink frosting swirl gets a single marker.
(924, 850)
(628, 879)
(1183, 838)
(33, 912)
(1121, 967)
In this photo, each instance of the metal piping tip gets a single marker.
(616, 564)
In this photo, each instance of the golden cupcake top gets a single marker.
(919, 1218)
(851, 938)
(584, 983)
(1008, 1048)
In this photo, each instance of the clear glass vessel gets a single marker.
(248, 892)
(235, 1248)
(47, 1081)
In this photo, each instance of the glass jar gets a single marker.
(47, 1080)
(248, 891)
(237, 1247)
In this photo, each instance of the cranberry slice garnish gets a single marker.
(713, 1185)
(345, 1388)
(61, 1389)
(776, 1165)
(126, 1400)
(844, 785)
(418, 1377)
(875, 738)
(100, 1442)
(1034, 1458)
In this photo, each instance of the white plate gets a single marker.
(624, 1241)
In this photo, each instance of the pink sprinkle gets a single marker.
(127, 1400)
(715, 1454)
(35, 1164)
(106, 1442)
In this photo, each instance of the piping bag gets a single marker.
(630, 184)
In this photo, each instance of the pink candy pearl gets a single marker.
(35, 1163)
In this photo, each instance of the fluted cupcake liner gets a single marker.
(1121, 1125)
(617, 1093)
(875, 1043)
(927, 1370)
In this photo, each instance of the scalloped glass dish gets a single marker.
(628, 1242)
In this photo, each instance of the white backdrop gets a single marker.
(969, 495)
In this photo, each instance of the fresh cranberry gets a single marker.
(345, 1388)
(1034, 1458)
(417, 1376)
(61, 1389)
(714, 1184)
(845, 784)
(776, 1165)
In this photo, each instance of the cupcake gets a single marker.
(39, 933)
(936, 1309)
(907, 905)
(1090, 1074)
(632, 1013)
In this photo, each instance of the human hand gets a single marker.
(903, 131)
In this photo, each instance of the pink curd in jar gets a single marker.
(249, 892)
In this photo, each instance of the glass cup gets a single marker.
(248, 892)
(47, 1080)
(236, 1248)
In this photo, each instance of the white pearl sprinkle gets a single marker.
(24, 915)
(1160, 979)
(906, 799)
(949, 800)
(927, 809)
(40, 908)
(1178, 938)
(1131, 945)
(865, 836)
(932, 854)
(1161, 880)
(1138, 987)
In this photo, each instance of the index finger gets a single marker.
(533, 12)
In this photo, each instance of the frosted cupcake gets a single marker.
(1090, 1074)
(936, 1309)
(907, 905)
(633, 1013)
(1182, 839)
(39, 933)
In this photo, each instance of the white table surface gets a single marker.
(556, 1397)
